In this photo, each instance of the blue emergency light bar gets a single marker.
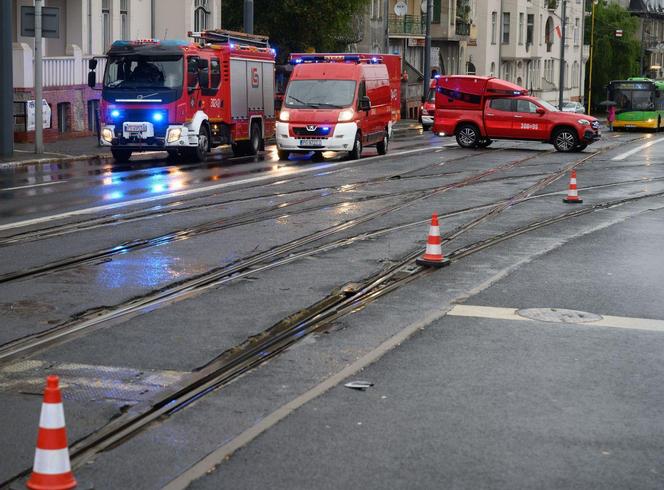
(333, 58)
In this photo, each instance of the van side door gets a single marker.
(498, 117)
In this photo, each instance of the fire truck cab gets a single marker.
(188, 97)
(478, 110)
(339, 102)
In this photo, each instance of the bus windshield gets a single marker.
(635, 96)
(142, 72)
(320, 93)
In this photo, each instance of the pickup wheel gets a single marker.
(580, 147)
(356, 152)
(283, 154)
(121, 156)
(468, 136)
(484, 142)
(382, 146)
(565, 140)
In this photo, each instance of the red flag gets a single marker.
(559, 32)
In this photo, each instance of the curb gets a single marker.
(72, 158)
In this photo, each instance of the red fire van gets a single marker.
(478, 110)
(339, 102)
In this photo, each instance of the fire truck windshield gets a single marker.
(320, 93)
(132, 72)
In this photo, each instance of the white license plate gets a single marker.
(136, 128)
(311, 142)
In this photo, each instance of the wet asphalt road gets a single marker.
(469, 402)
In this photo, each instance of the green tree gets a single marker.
(299, 25)
(614, 58)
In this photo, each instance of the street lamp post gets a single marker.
(561, 80)
(592, 49)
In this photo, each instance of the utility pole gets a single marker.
(561, 80)
(592, 48)
(386, 19)
(249, 16)
(6, 82)
(427, 50)
(39, 119)
(499, 20)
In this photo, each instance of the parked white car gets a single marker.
(573, 107)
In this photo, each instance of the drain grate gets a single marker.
(558, 315)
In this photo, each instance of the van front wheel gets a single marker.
(467, 136)
(356, 152)
(382, 146)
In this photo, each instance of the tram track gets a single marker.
(85, 321)
(341, 301)
(260, 348)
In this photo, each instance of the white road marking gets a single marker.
(511, 314)
(622, 156)
(198, 190)
(32, 185)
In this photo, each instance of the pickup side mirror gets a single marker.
(540, 111)
(365, 103)
(92, 64)
(92, 79)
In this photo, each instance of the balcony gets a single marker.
(406, 25)
(462, 28)
(551, 4)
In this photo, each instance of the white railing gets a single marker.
(69, 70)
(56, 70)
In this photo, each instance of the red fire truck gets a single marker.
(339, 102)
(188, 97)
(478, 110)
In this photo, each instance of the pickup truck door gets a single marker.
(498, 117)
(527, 123)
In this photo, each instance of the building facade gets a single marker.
(519, 41)
(87, 29)
(650, 33)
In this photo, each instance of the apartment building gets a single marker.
(519, 40)
(650, 33)
(87, 29)
(406, 26)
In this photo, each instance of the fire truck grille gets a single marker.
(311, 130)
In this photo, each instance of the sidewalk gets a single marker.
(86, 148)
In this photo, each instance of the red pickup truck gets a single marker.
(478, 110)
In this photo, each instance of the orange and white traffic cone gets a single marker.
(52, 470)
(433, 257)
(572, 194)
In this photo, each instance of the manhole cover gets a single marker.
(558, 315)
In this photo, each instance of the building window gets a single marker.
(93, 115)
(494, 21)
(64, 117)
(530, 29)
(106, 22)
(470, 68)
(493, 69)
(124, 18)
(540, 31)
(548, 34)
(201, 15)
(436, 12)
(521, 28)
(576, 32)
(506, 28)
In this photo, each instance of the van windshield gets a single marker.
(320, 93)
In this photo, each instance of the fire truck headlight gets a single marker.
(284, 116)
(173, 135)
(584, 122)
(346, 115)
(107, 135)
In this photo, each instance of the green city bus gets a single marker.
(639, 103)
